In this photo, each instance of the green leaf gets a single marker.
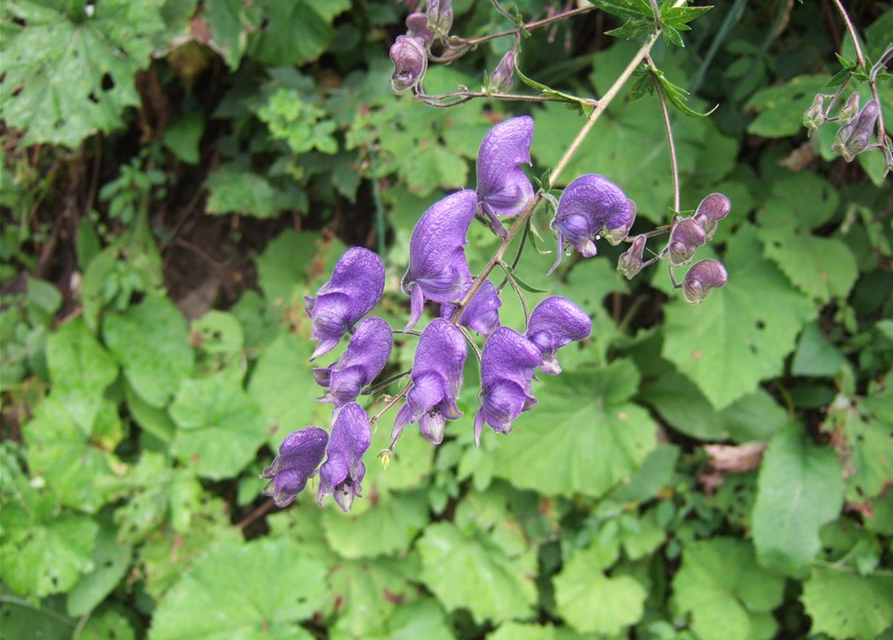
(800, 488)
(282, 585)
(295, 32)
(221, 428)
(519, 631)
(183, 135)
(229, 21)
(724, 590)
(370, 591)
(422, 618)
(21, 621)
(741, 333)
(151, 341)
(109, 623)
(291, 261)
(815, 356)
(583, 437)
(781, 108)
(846, 605)
(111, 559)
(67, 78)
(468, 570)
(234, 188)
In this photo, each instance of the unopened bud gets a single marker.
(852, 138)
(410, 63)
(850, 110)
(440, 16)
(701, 278)
(630, 263)
(503, 76)
(417, 27)
(618, 234)
(685, 239)
(712, 209)
(814, 117)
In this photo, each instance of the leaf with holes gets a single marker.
(846, 605)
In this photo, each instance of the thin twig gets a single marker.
(254, 515)
(461, 97)
(371, 390)
(470, 339)
(853, 35)
(517, 258)
(390, 403)
(674, 166)
(517, 288)
(530, 26)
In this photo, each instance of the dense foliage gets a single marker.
(178, 175)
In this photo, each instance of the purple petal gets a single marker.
(555, 323)
(343, 471)
(299, 455)
(367, 354)
(503, 76)
(481, 314)
(712, 209)
(587, 205)
(502, 403)
(701, 278)
(630, 262)
(503, 188)
(410, 63)
(685, 239)
(417, 27)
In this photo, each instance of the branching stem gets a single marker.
(530, 26)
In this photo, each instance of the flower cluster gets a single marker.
(409, 53)
(856, 127)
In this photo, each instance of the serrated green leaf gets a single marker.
(846, 605)
(295, 32)
(371, 592)
(780, 109)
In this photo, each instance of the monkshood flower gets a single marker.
(438, 269)
(482, 312)
(417, 27)
(712, 209)
(299, 455)
(555, 323)
(630, 263)
(436, 381)
(366, 355)
(355, 288)
(685, 238)
(852, 139)
(701, 278)
(410, 63)
(850, 110)
(507, 366)
(814, 117)
(503, 76)
(440, 16)
(343, 471)
(503, 189)
(589, 204)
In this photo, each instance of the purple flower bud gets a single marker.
(852, 139)
(410, 63)
(436, 381)
(503, 76)
(507, 366)
(850, 110)
(481, 314)
(587, 205)
(555, 323)
(619, 234)
(712, 209)
(814, 117)
(438, 269)
(355, 288)
(440, 16)
(630, 263)
(685, 238)
(503, 188)
(417, 26)
(343, 471)
(367, 354)
(701, 278)
(299, 455)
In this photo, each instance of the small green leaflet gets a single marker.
(586, 106)
(675, 95)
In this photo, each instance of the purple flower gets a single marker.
(343, 471)
(507, 366)
(440, 16)
(438, 269)
(555, 323)
(852, 138)
(503, 188)
(410, 63)
(436, 381)
(712, 209)
(482, 312)
(701, 278)
(630, 262)
(685, 238)
(355, 288)
(503, 76)
(618, 234)
(367, 354)
(417, 25)
(589, 204)
(299, 455)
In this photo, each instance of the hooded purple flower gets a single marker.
(701, 278)
(712, 209)
(555, 323)
(343, 471)
(503, 76)
(367, 354)
(587, 205)
(630, 263)
(482, 312)
(355, 288)
(503, 188)
(685, 238)
(299, 455)
(436, 381)
(410, 63)
(417, 27)
(507, 366)
(440, 16)
(438, 269)
(852, 138)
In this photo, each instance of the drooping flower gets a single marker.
(589, 204)
(436, 381)
(343, 471)
(685, 238)
(482, 312)
(630, 263)
(366, 355)
(814, 117)
(712, 209)
(618, 234)
(850, 110)
(503, 189)
(355, 288)
(852, 139)
(438, 269)
(502, 78)
(555, 323)
(417, 27)
(508, 363)
(440, 16)
(299, 455)
(701, 278)
(410, 63)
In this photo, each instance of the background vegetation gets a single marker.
(178, 174)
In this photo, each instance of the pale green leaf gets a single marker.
(370, 592)
(815, 356)
(295, 32)
(111, 559)
(846, 605)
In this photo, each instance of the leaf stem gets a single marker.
(373, 389)
(860, 56)
(461, 97)
(517, 288)
(674, 165)
(530, 26)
